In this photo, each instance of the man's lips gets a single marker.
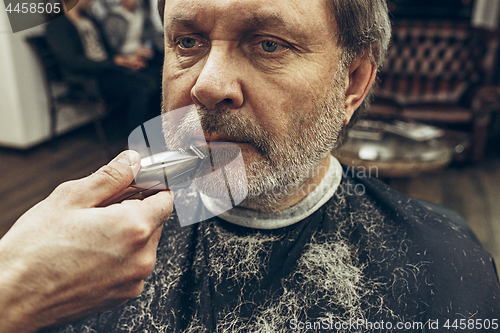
(222, 144)
(219, 139)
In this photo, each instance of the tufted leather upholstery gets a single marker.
(433, 73)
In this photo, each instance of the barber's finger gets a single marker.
(155, 237)
(159, 207)
(153, 210)
(147, 256)
(131, 192)
(104, 183)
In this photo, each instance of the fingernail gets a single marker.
(124, 161)
(129, 158)
(134, 158)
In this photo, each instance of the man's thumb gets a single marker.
(109, 179)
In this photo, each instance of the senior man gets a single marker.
(282, 80)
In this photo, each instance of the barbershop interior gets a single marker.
(432, 130)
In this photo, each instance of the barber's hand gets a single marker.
(67, 258)
(133, 62)
(144, 52)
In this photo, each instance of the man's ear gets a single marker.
(358, 83)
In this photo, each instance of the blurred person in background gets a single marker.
(130, 30)
(131, 34)
(78, 42)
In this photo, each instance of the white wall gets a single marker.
(24, 111)
(24, 119)
(11, 124)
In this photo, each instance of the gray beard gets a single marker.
(284, 165)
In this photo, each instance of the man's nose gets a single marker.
(219, 83)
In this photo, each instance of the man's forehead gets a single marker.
(248, 14)
(247, 21)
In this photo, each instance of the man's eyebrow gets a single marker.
(253, 22)
(256, 21)
(274, 21)
(181, 20)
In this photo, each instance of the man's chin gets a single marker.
(216, 186)
(238, 188)
(223, 174)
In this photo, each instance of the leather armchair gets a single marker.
(440, 73)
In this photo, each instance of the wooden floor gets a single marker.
(29, 176)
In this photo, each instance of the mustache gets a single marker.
(232, 125)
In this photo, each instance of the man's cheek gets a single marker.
(271, 108)
(177, 91)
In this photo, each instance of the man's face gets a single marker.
(264, 74)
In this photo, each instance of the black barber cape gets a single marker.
(369, 260)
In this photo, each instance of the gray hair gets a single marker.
(363, 28)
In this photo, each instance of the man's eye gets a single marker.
(269, 46)
(188, 42)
